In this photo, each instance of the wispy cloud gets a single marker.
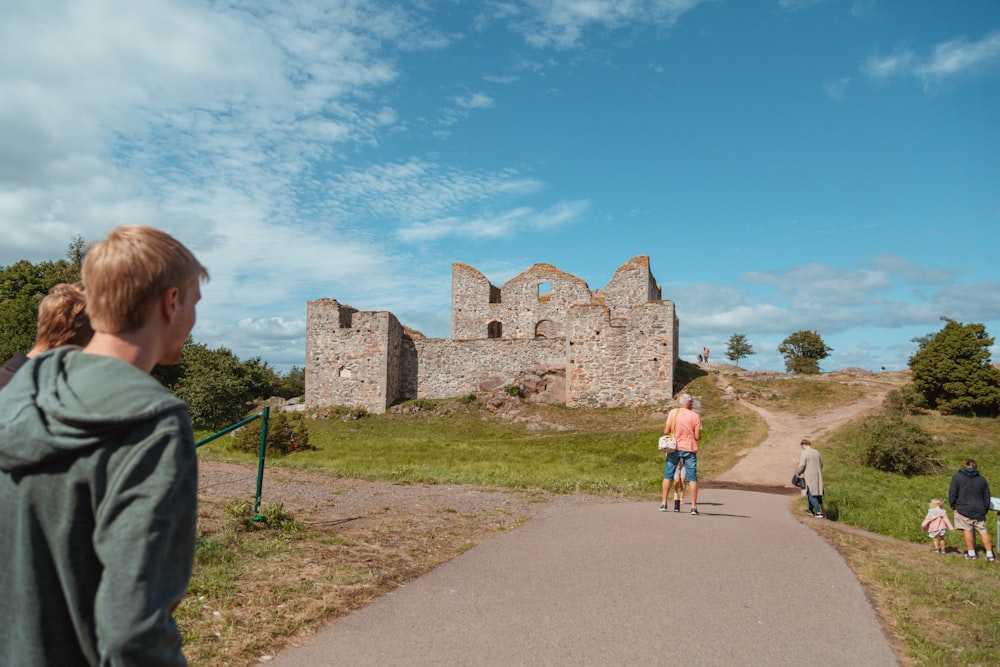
(561, 24)
(795, 5)
(949, 61)
(836, 88)
(475, 101)
(502, 225)
(880, 67)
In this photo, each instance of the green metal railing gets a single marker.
(263, 415)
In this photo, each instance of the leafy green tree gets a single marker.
(738, 348)
(952, 370)
(218, 388)
(22, 286)
(292, 384)
(803, 350)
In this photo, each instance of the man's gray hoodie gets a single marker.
(98, 490)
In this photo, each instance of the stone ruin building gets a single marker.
(615, 347)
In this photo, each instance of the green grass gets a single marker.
(603, 451)
(940, 609)
(894, 505)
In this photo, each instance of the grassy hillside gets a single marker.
(939, 610)
(458, 441)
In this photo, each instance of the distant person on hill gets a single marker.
(937, 524)
(99, 474)
(969, 497)
(810, 469)
(685, 424)
(62, 320)
(700, 358)
(704, 354)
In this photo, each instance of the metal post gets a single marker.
(260, 464)
(995, 505)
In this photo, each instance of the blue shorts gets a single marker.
(690, 460)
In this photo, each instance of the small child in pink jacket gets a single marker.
(937, 524)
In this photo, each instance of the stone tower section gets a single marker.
(618, 346)
(353, 358)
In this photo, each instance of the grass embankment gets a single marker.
(942, 610)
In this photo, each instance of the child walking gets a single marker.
(937, 524)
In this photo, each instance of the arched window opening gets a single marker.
(494, 329)
(545, 329)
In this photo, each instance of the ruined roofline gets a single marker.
(639, 261)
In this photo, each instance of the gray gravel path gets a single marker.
(745, 583)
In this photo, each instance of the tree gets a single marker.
(738, 348)
(22, 286)
(952, 370)
(218, 388)
(292, 384)
(803, 351)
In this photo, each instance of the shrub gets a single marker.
(904, 402)
(240, 517)
(513, 390)
(898, 446)
(284, 434)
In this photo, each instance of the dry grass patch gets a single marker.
(260, 587)
(936, 609)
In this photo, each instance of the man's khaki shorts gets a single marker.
(963, 522)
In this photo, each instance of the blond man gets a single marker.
(62, 320)
(98, 472)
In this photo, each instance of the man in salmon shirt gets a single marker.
(685, 424)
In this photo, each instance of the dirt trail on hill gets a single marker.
(772, 463)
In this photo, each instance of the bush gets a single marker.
(904, 402)
(240, 518)
(898, 446)
(284, 434)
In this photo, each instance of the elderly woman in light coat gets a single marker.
(811, 470)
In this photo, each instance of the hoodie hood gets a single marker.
(65, 401)
(971, 472)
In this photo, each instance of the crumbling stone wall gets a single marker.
(618, 345)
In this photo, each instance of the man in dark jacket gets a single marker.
(969, 497)
(98, 471)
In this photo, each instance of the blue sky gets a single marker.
(831, 165)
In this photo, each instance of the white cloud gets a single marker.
(502, 225)
(949, 61)
(475, 101)
(561, 24)
(959, 56)
(836, 88)
(881, 68)
(799, 4)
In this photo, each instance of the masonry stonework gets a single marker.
(618, 346)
